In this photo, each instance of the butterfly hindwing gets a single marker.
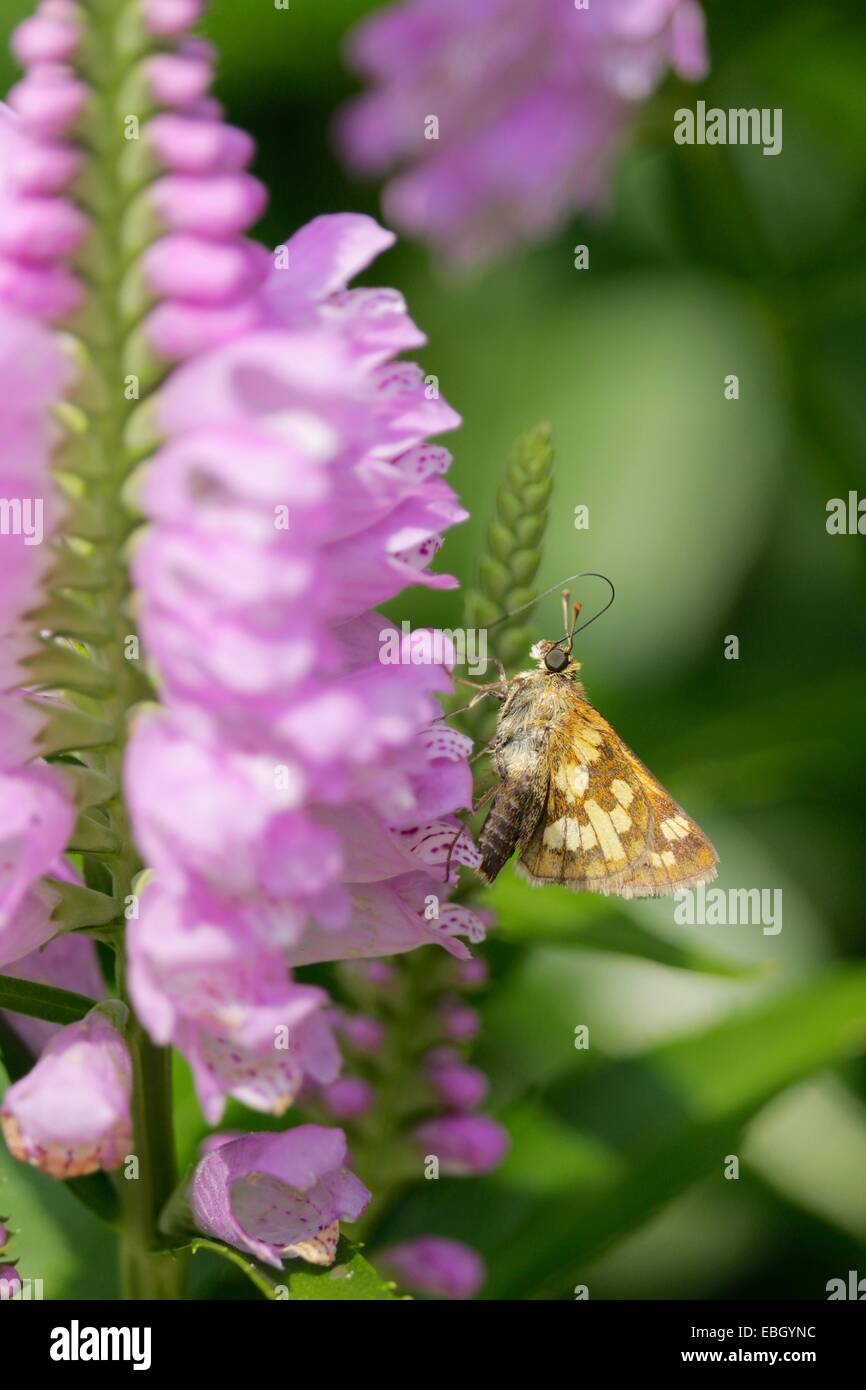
(608, 825)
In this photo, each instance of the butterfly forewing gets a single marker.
(607, 825)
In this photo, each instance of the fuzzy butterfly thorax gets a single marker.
(575, 804)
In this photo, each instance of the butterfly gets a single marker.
(574, 803)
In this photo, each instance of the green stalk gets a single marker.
(89, 598)
(146, 1272)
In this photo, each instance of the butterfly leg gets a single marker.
(491, 792)
(483, 800)
(487, 687)
(481, 751)
(483, 692)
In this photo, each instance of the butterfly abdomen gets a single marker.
(502, 830)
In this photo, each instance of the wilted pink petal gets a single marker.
(279, 1196)
(70, 1115)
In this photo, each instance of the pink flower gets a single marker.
(435, 1265)
(68, 961)
(70, 1115)
(349, 1098)
(230, 1006)
(361, 1032)
(464, 1144)
(36, 819)
(36, 808)
(32, 373)
(502, 116)
(457, 1085)
(10, 1283)
(278, 1196)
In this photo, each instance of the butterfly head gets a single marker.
(555, 658)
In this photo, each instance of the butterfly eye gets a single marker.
(556, 659)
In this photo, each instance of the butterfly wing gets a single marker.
(608, 825)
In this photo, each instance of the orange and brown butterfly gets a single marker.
(574, 803)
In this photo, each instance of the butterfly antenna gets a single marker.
(587, 574)
(573, 629)
(601, 611)
(567, 641)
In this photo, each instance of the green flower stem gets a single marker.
(147, 1272)
(88, 610)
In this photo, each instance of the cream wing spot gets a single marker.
(669, 858)
(588, 837)
(675, 828)
(563, 834)
(554, 834)
(620, 819)
(622, 791)
(609, 841)
(573, 780)
(587, 745)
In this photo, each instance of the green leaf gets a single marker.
(673, 1115)
(351, 1277)
(36, 1000)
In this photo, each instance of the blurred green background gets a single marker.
(709, 515)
